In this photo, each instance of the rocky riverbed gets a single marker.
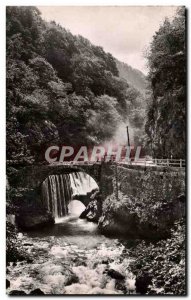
(71, 258)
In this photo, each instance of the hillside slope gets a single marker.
(133, 76)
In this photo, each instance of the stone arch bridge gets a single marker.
(110, 177)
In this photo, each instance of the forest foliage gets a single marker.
(61, 89)
(166, 118)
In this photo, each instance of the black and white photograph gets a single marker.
(96, 105)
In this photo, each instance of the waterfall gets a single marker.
(59, 190)
(57, 193)
(82, 183)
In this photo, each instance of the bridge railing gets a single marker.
(181, 163)
(145, 161)
(170, 162)
(74, 162)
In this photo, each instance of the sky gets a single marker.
(124, 31)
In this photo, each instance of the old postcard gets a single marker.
(96, 142)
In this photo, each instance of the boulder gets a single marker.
(130, 218)
(92, 212)
(31, 221)
(71, 279)
(36, 292)
(115, 274)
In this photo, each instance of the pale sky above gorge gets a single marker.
(124, 31)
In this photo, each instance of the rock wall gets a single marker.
(142, 202)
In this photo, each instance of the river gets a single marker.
(72, 257)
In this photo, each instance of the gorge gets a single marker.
(76, 256)
(100, 226)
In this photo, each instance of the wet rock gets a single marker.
(27, 244)
(121, 223)
(17, 293)
(93, 210)
(7, 283)
(29, 260)
(105, 262)
(81, 263)
(142, 282)
(36, 292)
(72, 279)
(115, 274)
(119, 285)
(70, 276)
(84, 213)
(31, 221)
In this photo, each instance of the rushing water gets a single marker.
(59, 190)
(71, 257)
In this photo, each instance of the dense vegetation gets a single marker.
(160, 267)
(146, 205)
(166, 124)
(133, 76)
(61, 89)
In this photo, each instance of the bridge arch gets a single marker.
(107, 176)
(32, 177)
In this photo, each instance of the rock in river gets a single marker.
(115, 274)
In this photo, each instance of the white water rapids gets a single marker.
(71, 258)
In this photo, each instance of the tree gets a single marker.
(61, 89)
(166, 115)
(104, 118)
